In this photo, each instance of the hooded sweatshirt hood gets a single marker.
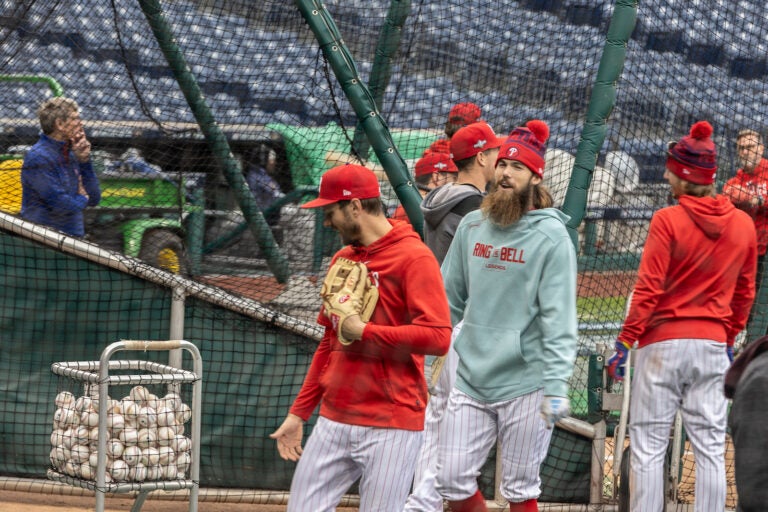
(710, 214)
(440, 201)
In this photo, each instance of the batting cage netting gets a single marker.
(211, 121)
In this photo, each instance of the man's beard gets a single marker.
(505, 206)
(350, 232)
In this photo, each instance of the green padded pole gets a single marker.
(601, 104)
(216, 139)
(337, 54)
(381, 71)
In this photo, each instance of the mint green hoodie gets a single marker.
(515, 289)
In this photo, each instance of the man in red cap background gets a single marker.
(431, 171)
(748, 190)
(460, 115)
(474, 148)
(371, 392)
(694, 290)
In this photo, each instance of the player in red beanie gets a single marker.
(693, 294)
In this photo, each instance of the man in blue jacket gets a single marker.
(510, 275)
(57, 178)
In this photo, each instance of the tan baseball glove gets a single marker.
(348, 291)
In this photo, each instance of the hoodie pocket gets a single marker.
(490, 356)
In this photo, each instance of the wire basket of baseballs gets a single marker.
(146, 440)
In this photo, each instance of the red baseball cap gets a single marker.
(345, 182)
(464, 114)
(472, 139)
(433, 162)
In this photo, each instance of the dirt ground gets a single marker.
(18, 501)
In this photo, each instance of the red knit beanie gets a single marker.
(694, 157)
(527, 144)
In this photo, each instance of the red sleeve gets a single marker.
(735, 196)
(650, 280)
(743, 295)
(426, 328)
(311, 391)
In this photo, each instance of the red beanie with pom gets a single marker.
(694, 157)
(527, 144)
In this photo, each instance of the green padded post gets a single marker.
(601, 104)
(381, 71)
(343, 65)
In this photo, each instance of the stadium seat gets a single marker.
(747, 67)
(665, 41)
(705, 54)
(583, 14)
(543, 5)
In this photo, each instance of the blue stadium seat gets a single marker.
(748, 67)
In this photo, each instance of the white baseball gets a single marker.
(65, 399)
(172, 400)
(138, 473)
(132, 455)
(58, 456)
(183, 461)
(130, 411)
(184, 413)
(68, 438)
(114, 406)
(166, 455)
(89, 418)
(181, 443)
(57, 437)
(84, 403)
(115, 422)
(165, 436)
(119, 470)
(115, 448)
(93, 459)
(166, 417)
(169, 471)
(152, 401)
(129, 436)
(147, 437)
(70, 468)
(139, 394)
(93, 436)
(82, 434)
(80, 453)
(147, 417)
(86, 471)
(178, 428)
(154, 472)
(150, 457)
(63, 417)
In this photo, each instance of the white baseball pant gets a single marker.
(337, 454)
(424, 497)
(686, 374)
(469, 431)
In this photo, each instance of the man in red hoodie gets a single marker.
(372, 392)
(693, 294)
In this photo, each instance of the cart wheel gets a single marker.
(164, 249)
(624, 481)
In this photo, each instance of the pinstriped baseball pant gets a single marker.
(337, 454)
(685, 374)
(469, 431)
(425, 497)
